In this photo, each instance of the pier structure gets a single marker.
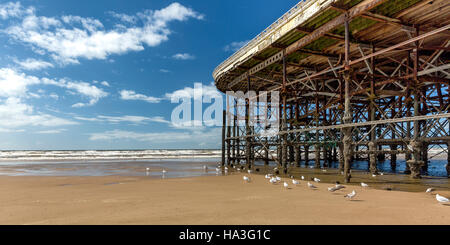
(357, 80)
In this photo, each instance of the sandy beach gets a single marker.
(206, 200)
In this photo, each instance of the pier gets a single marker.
(357, 80)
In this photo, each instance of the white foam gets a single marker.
(105, 155)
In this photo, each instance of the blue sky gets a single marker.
(99, 74)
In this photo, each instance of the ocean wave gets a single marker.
(105, 155)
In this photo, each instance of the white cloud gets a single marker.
(105, 83)
(69, 38)
(183, 56)
(199, 91)
(235, 46)
(54, 96)
(124, 17)
(33, 64)
(164, 70)
(10, 9)
(210, 136)
(15, 84)
(120, 119)
(93, 93)
(131, 95)
(14, 113)
(52, 131)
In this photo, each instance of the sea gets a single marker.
(176, 163)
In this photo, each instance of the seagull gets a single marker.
(374, 175)
(238, 169)
(164, 171)
(286, 186)
(442, 199)
(217, 169)
(316, 180)
(303, 177)
(226, 168)
(249, 171)
(278, 178)
(429, 190)
(324, 170)
(273, 180)
(267, 176)
(246, 179)
(295, 182)
(381, 174)
(148, 169)
(311, 186)
(351, 195)
(335, 188)
(364, 185)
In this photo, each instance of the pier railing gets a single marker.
(303, 10)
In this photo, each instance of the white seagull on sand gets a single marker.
(351, 195)
(303, 177)
(246, 179)
(442, 199)
(164, 171)
(249, 171)
(278, 178)
(273, 180)
(285, 185)
(311, 186)
(364, 185)
(335, 188)
(316, 180)
(295, 182)
(429, 190)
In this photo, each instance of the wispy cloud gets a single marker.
(33, 64)
(14, 114)
(52, 131)
(126, 118)
(235, 46)
(68, 38)
(210, 136)
(15, 84)
(183, 56)
(131, 95)
(10, 9)
(198, 91)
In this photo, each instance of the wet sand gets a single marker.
(205, 200)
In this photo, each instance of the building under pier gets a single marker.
(357, 79)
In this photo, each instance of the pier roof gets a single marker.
(310, 37)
